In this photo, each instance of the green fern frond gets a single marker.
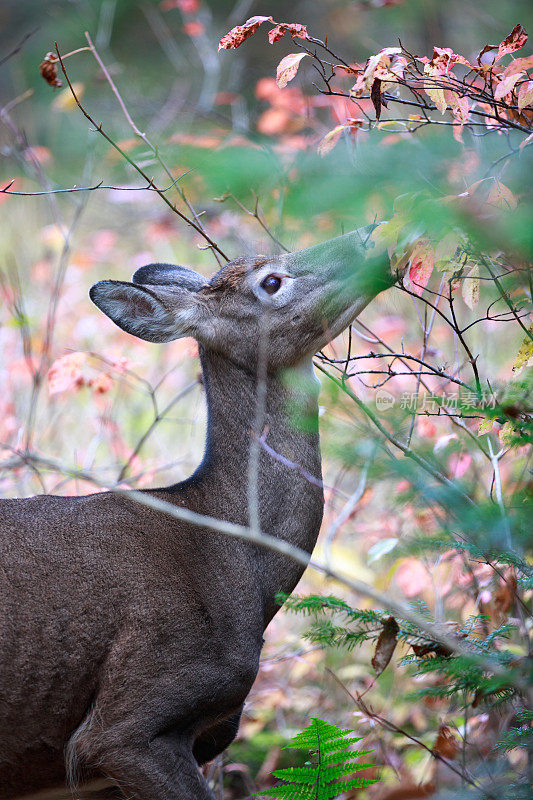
(332, 769)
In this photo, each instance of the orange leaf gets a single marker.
(236, 36)
(287, 68)
(514, 41)
(446, 744)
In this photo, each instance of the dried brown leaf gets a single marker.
(446, 745)
(48, 69)
(385, 645)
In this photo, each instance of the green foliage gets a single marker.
(460, 676)
(328, 774)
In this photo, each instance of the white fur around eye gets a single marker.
(283, 295)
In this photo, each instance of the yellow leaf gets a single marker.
(525, 95)
(437, 95)
(330, 140)
(485, 426)
(390, 124)
(470, 287)
(287, 68)
(501, 196)
(506, 434)
(524, 356)
(65, 101)
(445, 249)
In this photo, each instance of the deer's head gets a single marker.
(297, 301)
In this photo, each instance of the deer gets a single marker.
(129, 639)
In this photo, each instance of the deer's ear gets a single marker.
(169, 275)
(158, 313)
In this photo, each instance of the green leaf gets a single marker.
(334, 764)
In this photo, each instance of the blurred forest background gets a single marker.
(440, 366)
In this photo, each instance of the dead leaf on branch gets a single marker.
(375, 96)
(385, 645)
(48, 69)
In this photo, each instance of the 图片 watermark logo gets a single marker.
(423, 402)
(384, 400)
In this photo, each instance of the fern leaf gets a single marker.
(333, 765)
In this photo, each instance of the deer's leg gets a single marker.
(214, 740)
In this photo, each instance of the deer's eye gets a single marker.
(271, 284)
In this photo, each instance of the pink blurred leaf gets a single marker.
(459, 464)
(412, 577)
(65, 374)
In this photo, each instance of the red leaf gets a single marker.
(421, 265)
(513, 42)
(236, 36)
(296, 30)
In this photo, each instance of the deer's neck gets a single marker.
(289, 503)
